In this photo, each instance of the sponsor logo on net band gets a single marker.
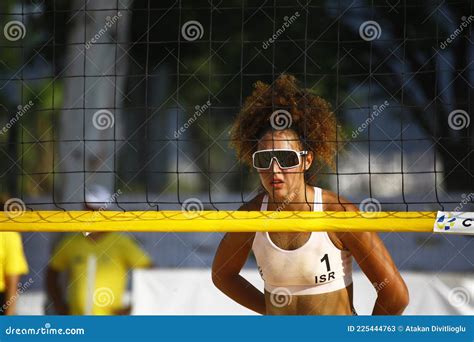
(454, 222)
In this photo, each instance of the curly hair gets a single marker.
(311, 119)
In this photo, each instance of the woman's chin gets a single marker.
(278, 193)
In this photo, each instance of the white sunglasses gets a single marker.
(286, 158)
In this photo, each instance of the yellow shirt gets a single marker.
(108, 260)
(12, 259)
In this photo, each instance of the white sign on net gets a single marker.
(454, 222)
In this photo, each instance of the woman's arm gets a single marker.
(11, 294)
(228, 261)
(375, 261)
(55, 292)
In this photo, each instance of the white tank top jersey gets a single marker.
(314, 268)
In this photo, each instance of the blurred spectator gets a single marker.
(97, 268)
(12, 265)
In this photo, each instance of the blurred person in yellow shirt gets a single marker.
(97, 268)
(12, 265)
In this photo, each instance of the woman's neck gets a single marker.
(297, 200)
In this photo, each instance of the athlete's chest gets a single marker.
(307, 260)
(290, 241)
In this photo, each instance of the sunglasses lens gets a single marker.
(286, 159)
(262, 159)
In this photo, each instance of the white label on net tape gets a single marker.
(452, 222)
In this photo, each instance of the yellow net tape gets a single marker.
(216, 221)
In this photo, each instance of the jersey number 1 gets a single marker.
(319, 279)
(326, 259)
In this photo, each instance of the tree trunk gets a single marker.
(90, 120)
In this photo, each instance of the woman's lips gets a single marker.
(277, 183)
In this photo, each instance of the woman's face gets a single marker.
(281, 183)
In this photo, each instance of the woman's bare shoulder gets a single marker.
(254, 204)
(335, 202)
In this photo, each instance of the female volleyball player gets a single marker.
(304, 273)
